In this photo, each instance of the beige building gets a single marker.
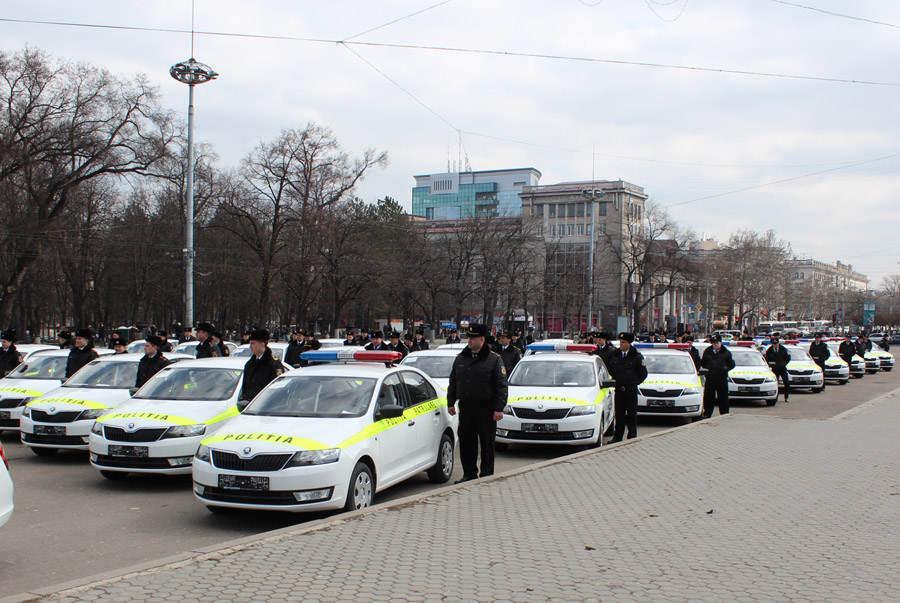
(810, 272)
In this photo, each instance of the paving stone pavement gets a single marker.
(745, 508)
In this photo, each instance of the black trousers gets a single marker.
(477, 426)
(715, 392)
(785, 380)
(626, 411)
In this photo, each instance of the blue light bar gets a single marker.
(351, 355)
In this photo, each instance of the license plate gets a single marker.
(540, 427)
(661, 403)
(243, 482)
(50, 430)
(133, 451)
(4, 415)
(748, 389)
(801, 379)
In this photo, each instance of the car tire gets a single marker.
(818, 390)
(219, 510)
(501, 446)
(887, 369)
(44, 451)
(843, 382)
(772, 402)
(443, 466)
(114, 475)
(361, 490)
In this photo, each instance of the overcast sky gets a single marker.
(780, 152)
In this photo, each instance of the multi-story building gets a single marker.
(462, 195)
(807, 271)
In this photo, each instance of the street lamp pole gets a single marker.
(190, 72)
(592, 195)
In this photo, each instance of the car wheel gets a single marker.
(843, 381)
(219, 510)
(818, 390)
(501, 446)
(443, 466)
(44, 451)
(114, 475)
(361, 490)
(887, 369)
(772, 402)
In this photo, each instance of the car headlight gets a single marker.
(184, 431)
(691, 391)
(97, 428)
(769, 380)
(314, 457)
(203, 453)
(94, 413)
(582, 410)
(507, 410)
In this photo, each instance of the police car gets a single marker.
(802, 370)
(27, 349)
(278, 350)
(6, 490)
(885, 359)
(329, 436)
(63, 417)
(44, 371)
(436, 363)
(672, 386)
(558, 395)
(857, 367)
(190, 347)
(160, 428)
(751, 378)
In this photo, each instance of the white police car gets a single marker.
(836, 368)
(436, 363)
(672, 386)
(885, 359)
(279, 348)
(329, 436)
(63, 417)
(558, 395)
(802, 370)
(6, 490)
(857, 367)
(160, 428)
(751, 378)
(190, 347)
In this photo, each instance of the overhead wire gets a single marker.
(834, 14)
(383, 25)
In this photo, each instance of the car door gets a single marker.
(427, 425)
(396, 438)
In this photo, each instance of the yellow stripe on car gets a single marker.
(670, 382)
(231, 412)
(574, 401)
(385, 424)
(19, 390)
(74, 401)
(153, 416)
(287, 440)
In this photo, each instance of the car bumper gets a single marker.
(763, 391)
(837, 374)
(690, 405)
(568, 430)
(813, 381)
(169, 457)
(334, 477)
(75, 435)
(10, 418)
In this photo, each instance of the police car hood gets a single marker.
(280, 434)
(879, 354)
(27, 388)
(835, 361)
(156, 413)
(553, 397)
(671, 379)
(750, 372)
(803, 365)
(80, 398)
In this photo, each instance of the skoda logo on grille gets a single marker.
(246, 451)
(660, 388)
(52, 410)
(540, 407)
(131, 427)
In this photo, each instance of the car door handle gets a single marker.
(411, 423)
(437, 413)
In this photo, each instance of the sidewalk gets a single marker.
(744, 508)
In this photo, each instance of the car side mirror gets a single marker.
(703, 371)
(389, 411)
(132, 391)
(608, 383)
(242, 404)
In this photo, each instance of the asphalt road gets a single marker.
(70, 522)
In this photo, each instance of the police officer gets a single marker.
(520, 342)
(778, 357)
(351, 339)
(82, 353)
(186, 336)
(153, 360)
(64, 339)
(509, 353)
(717, 361)
(10, 357)
(695, 355)
(627, 367)
(605, 349)
(113, 338)
(819, 351)
(206, 348)
(420, 342)
(863, 345)
(847, 350)
(166, 344)
(410, 342)
(396, 345)
(217, 340)
(453, 338)
(377, 342)
(119, 346)
(262, 366)
(478, 382)
(295, 348)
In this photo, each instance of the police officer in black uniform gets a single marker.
(453, 338)
(206, 348)
(119, 346)
(605, 349)
(509, 353)
(396, 345)
(778, 358)
(377, 343)
(420, 343)
(863, 345)
(153, 360)
(627, 367)
(295, 348)
(478, 382)
(64, 339)
(717, 361)
(82, 353)
(10, 357)
(847, 350)
(262, 366)
(819, 351)
(692, 351)
(350, 341)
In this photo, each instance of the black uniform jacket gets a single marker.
(293, 351)
(9, 359)
(401, 347)
(819, 352)
(419, 345)
(258, 373)
(847, 350)
(208, 350)
(717, 363)
(511, 356)
(478, 379)
(454, 339)
(371, 346)
(78, 358)
(605, 352)
(862, 347)
(779, 358)
(149, 366)
(627, 370)
(695, 356)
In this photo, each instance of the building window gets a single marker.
(588, 229)
(581, 230)
(601, 209)
(562, 210)
(552, 211)
(579, 209)
(540, 230)
(540, 209)
(571, 229)
(589, 208)
(552, 230)
(571, 210)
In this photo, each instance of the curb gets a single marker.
(240, 544)
(858, 409)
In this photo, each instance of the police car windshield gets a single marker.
(242, 352)
(748, 358)
(317, 396)
(799, 355)
(188, 347)
(120, 375)
(191, 383)
(669, 364)
(554, 374)
(437, 367)
(41, 367)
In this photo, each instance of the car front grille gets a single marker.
(117, 434)
(54, 440)
(530, 413)
(9, 423)
(667, 393)
(260, 462)
(133, 462)
(663, 409)
(39, 416)
(748, 380)
(549, 436)
(11, 402)
(249, 497)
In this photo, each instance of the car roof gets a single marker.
(350, 369)
(662, 352)
(137, 356)
(560, 356)
(442, 351)
(51, 353)
(271, 344)
(221, 362)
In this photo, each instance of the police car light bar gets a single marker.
(743, 343)
(350, 355)
(663, 346)
(561, 347)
